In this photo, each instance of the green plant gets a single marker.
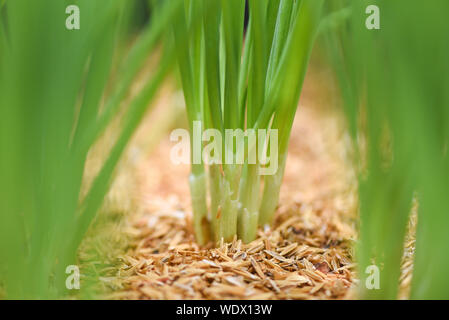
(394, 84)
(52, 83)
(234, 79)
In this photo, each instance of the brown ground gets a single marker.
(307, 254)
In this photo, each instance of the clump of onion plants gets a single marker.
(237, 78)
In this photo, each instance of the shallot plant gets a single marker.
(239, 77)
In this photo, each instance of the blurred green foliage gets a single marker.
(395, 85)
(52, 86)
(54, 107)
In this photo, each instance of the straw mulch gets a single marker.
(405, 279)
(300, 258)
(306, 254)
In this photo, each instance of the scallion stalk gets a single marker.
(251, 82)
